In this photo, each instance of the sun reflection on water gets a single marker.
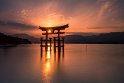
(47, 72)
(48, 53)
(47, 67)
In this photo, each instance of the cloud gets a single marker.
(16, 25)
(107, 27)
(80, 14)
(55, 19)
(104, 8)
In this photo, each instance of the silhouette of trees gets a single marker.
(6, 39)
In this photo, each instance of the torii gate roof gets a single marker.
(55, 28)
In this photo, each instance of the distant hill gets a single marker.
(7, 39)
(106, 38)
(26, 36)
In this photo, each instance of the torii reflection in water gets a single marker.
(52, 55)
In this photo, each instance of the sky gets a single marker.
(96, 16)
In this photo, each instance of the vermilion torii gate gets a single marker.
(57, 40)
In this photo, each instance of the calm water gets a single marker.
(80, 63)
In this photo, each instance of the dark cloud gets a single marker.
(16, 25)
(108, 27)
(119, 8)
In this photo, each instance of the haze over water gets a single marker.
(81, 63)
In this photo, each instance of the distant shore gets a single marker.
(7, 40)
(104, 38)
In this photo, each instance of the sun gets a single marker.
(52, 20)
(49, 23)
(49, 31)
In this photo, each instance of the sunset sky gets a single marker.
(24, 16)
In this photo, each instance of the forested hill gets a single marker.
(6, 39)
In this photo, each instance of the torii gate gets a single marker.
(51, 30)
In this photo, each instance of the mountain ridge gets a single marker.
(103, 38)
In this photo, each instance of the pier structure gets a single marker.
(58, 41)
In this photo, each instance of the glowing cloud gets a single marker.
(80, 14)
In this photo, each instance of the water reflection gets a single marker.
(51, 54)
(49, 59)
(47, 66)
(5, 49)
(82, 64)
(48, 55)
(47, 72)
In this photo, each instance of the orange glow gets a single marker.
(53, 19)
(80, 20)
(49, 31)
(47, 71)
(50, 23)
(47, 67)
(48, 53)
(48, 47)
